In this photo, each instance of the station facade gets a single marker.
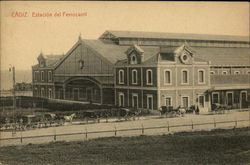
(149, 70)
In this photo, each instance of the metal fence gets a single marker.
(141, 130)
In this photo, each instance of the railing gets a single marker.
(142, 130)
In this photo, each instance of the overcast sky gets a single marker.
(22, 39)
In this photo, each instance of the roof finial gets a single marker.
(41, 52)
(80, 36)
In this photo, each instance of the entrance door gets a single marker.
(76, 94)
(244, 100)
(135, 101)
(149, 102)
(185, 101)
(121, 100)
(229, 98)
(201, 101)
(89, 94)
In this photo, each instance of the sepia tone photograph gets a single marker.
(124, 83)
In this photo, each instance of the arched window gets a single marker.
(236, 72)
(133, 59)
(134, 76)
(167, 77)
(42, 75)
(224, 72)
(121, 100)
(121, 76)
(149, 77)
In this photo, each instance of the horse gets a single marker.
(70, 117)
(182, 111)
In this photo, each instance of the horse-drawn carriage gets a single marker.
(127, 113)
(169, 111)
(219, 108)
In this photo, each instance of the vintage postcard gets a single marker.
(99, 82)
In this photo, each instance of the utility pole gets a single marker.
(14, 83)
(14, 96)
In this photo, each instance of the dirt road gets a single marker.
(143, 122)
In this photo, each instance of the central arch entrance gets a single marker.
(83, 89)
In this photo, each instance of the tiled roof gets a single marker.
(110, 51)
(218, 56)
(113, 52)
(52, 60)
(184, 36)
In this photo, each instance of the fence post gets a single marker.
(142, 129)
(106, 119)
(55, 136)
(115, 130)
(214, 123)
(21, 136)
(87, 120)
(168, 125)
(86, 133)
(249, 117)
(192, 124)
(235, 122)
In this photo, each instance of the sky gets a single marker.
(23, 38)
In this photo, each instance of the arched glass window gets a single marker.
(121, 76)
(134, 76)
(201, 76)
(149, 77)
(133, 59)
(167, 77)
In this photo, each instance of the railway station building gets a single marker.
(149, 70)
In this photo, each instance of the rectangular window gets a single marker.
(201, 77)
(50, 76)
(167, 77)
(215, 98)
(184, 76)
(42, 75)
(149, 77)
(168, 101)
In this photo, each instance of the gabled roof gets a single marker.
(110, 51)
(113, 52)
(50, 60)
(217, 56)
(184, 36)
